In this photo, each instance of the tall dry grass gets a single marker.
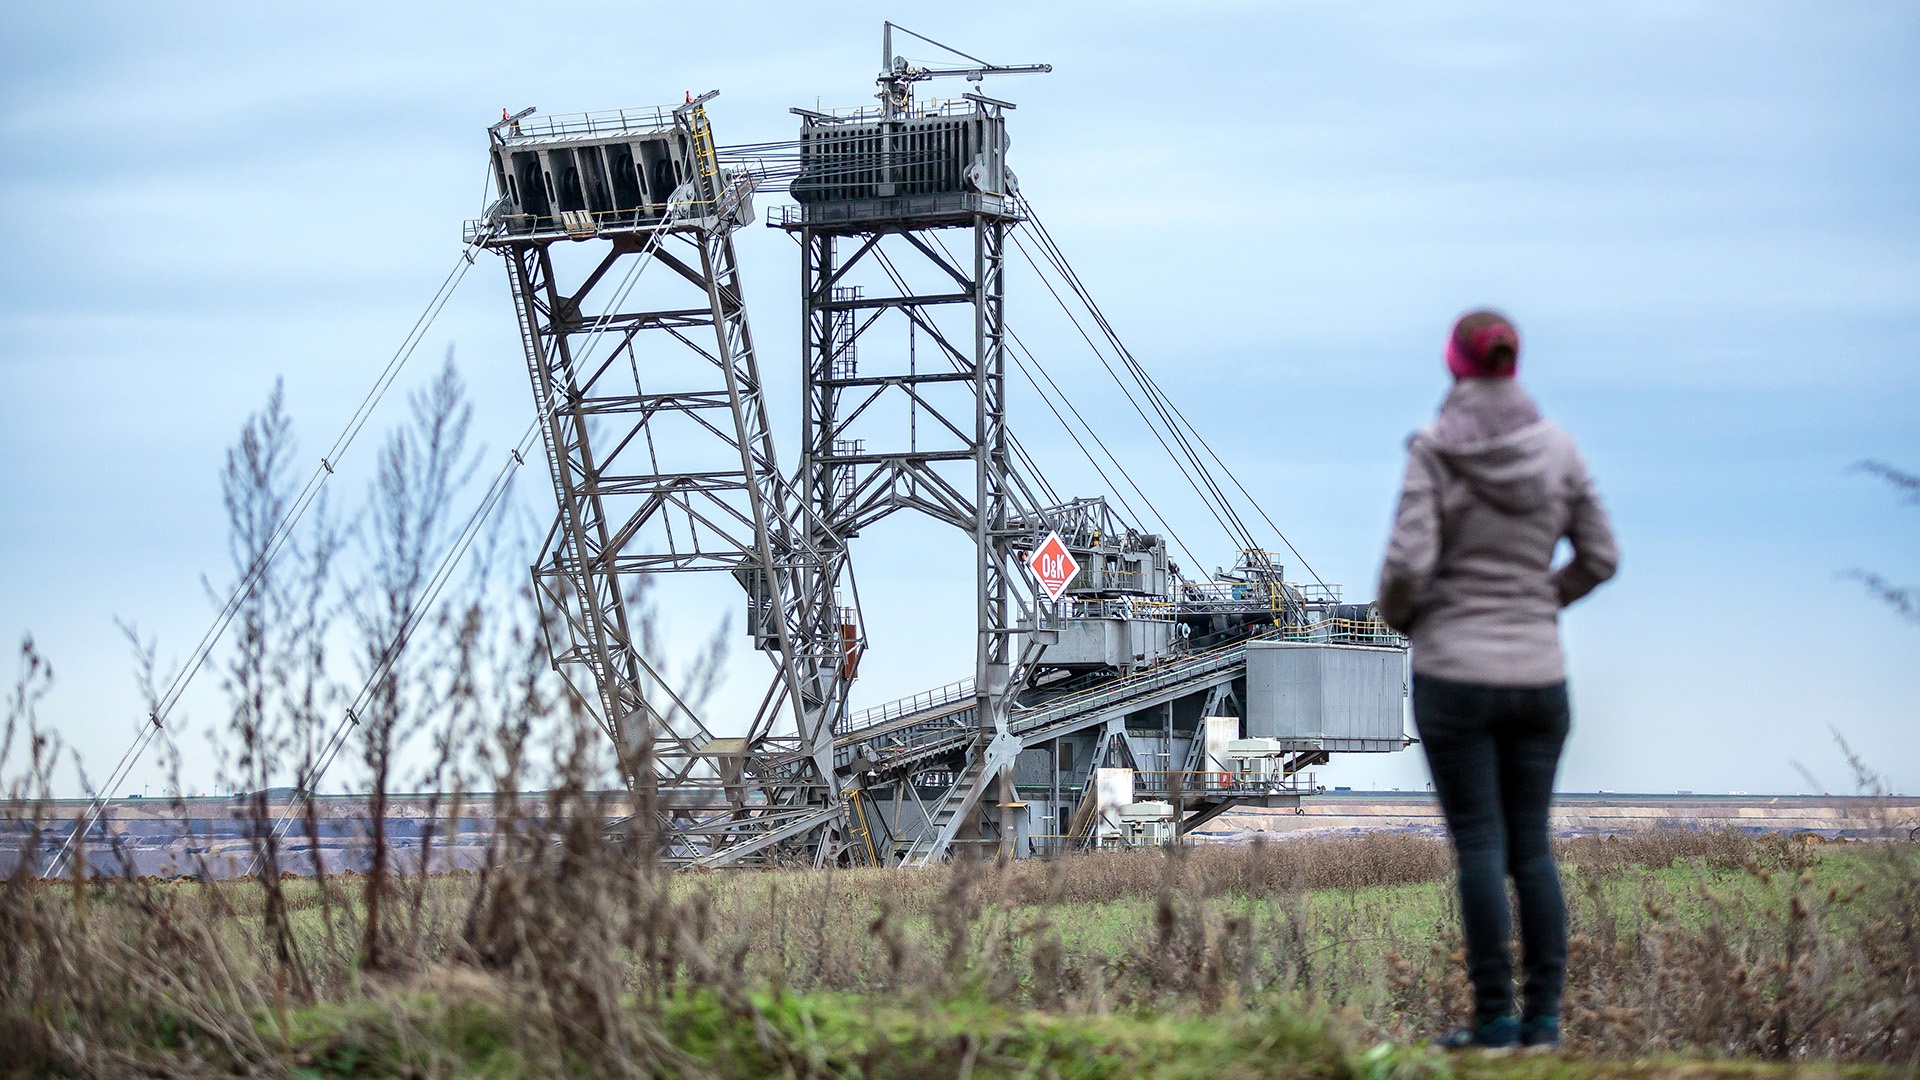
(1683, 940)
(1700, 941)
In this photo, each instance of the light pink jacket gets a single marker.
(1491, 488)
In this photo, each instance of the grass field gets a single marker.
(840, 1035)
(1697, 952)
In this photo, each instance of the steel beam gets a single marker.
(638, 497)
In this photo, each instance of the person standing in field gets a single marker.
(1491, 489)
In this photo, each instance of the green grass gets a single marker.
(819, 1035)
(913, 1034)
(1372, 921)
(830, 1035)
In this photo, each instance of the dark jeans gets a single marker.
(1493, 751)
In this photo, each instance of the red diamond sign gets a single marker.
(1053, 565)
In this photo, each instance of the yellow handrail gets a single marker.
(861, 827)
(703, 149)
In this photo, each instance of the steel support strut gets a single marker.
(662, 460)
(918, 446)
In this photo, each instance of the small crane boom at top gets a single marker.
(897, 76)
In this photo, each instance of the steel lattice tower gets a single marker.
(662, 461)
(882, 191)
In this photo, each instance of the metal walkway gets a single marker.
(936, 733)
(906, 741)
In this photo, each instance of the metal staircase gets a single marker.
(1080, 825)
(956, 807)
(944, 821)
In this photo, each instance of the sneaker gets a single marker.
(1497, 1036)
(1542, 1033)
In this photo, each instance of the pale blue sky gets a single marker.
(1703, 217)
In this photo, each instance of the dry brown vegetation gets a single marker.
(1683, 940)
(571, 953)
(1695, 941)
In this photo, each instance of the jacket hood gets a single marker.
(1477, 410)
(1508, 473)
(1490, 434)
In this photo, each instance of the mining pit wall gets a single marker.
(1585, 814)
(211, 837)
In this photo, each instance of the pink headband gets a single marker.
(1471, 362)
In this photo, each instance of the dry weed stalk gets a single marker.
(577, 941)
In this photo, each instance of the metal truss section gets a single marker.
(1129, 706)
(1152, 725)
(655, 427)
(920, 424)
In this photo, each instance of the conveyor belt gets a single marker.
(906, 740)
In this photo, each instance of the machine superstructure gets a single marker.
(1140, 703)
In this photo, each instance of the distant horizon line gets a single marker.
(285, 794)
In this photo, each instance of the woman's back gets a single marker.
(1490, 490)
